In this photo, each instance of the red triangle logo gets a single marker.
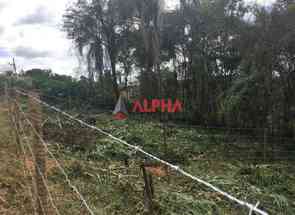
(120, 116)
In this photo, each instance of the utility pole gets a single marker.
(13, 64)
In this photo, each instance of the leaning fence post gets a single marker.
(35, 116)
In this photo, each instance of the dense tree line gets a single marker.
(230, 63)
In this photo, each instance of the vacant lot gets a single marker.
(97, 166)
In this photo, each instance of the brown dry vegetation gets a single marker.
(13, 197)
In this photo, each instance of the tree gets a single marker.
(97, 27)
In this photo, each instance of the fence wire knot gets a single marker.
(254, 208)
(135, 150)
(175, 167)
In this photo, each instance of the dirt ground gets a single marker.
(14, 196)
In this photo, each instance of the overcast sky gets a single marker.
(30, 31)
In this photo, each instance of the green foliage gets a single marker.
(178, 203)
(263, 176)
(281, 202)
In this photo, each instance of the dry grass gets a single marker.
(11, 178)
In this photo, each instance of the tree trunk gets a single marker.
(114, 79)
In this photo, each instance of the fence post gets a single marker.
(18, 133)
(15, 118)
(6, 96)
(35, 116)
(9, 108)
(148, 191)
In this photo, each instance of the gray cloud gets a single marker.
(1, 30)
(29, 53)
(40, 16)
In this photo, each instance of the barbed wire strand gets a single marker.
(75, 189)
(173, 124)
(204, 127)
(136, 148)
(38, 198)
(38, 169)
(25, 169)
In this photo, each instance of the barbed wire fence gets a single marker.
(36, 147)
(254, 144)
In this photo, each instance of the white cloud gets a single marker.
(31, 32)
(2, 5)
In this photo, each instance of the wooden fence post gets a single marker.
(35, 116)
(6, 96)
(18, 133)
(15, 118)
(148, 191)
(9, 108)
